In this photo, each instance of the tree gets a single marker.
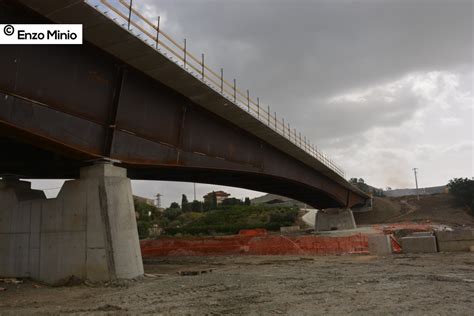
(213, 201)
(232, 201)
(206, 206)
(361, 180)
(184, 203)
(196, 206)
(463, 190)
(174, 205)
(247, 201)
(353, 180)
(172, 213)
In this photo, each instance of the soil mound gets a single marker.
(438, 208)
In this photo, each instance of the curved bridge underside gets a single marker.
(63, 106)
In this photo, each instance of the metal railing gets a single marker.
(125, 15)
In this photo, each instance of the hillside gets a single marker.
(438, 208)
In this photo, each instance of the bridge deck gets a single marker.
(110, 36)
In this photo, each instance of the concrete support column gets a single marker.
(89, 231)
(334, 219)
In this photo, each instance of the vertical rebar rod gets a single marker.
(276, 127)
(268, 111)
(202, 66)
(283, 123)
(130, 14)
(157, 32)
(248, 100)
(184, 58)
(235, 90)
(258, 108)
(222, 80)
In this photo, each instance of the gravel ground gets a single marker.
(435, 284)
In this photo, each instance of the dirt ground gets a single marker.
(439, 284)
(437, 208)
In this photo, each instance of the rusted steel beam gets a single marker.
(90, 105)
(112, 119)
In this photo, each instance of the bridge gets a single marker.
(134, 96)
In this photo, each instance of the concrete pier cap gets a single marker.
(88, 231)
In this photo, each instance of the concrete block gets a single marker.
(380, 245)
(334, 219)
(102, 170)
(289, 229)
(418, 234)
(458, 240)
(455, 245)
(465, 234)
(419, 244)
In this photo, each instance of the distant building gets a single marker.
(145, 200)
(220, 196)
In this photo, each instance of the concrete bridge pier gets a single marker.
(334, 219)
(88, 231)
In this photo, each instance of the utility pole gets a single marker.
(416, 182)
(194, 191)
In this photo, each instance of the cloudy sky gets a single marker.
(381, 86)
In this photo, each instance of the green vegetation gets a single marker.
(147, 216)
(463, 190)
(230, 219)
(227, 218)
(361, 185)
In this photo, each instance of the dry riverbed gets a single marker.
(439, 284)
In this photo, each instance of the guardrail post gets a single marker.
(268, 111)
(235, 91)
(222, 80)
(130, 14)
(258, 108)
(248, 100)
(157, 32)
(184, 57)
(202, 66)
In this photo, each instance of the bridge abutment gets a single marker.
(334, 219)
(88, 231)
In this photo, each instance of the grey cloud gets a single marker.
(299, 55)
